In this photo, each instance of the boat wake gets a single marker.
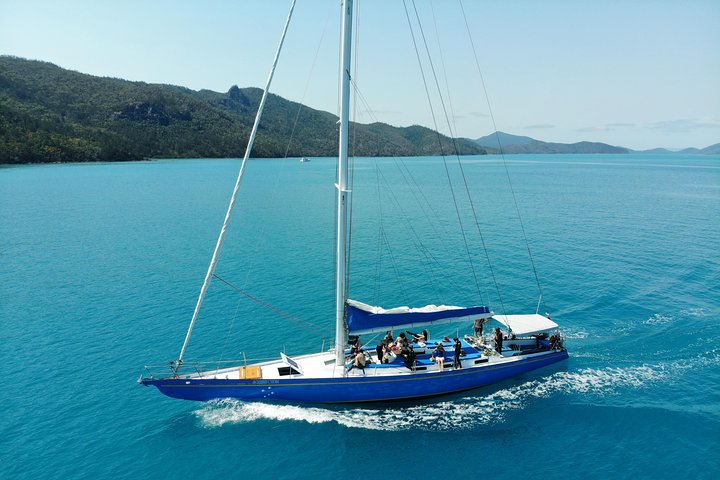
(456, 414)
(659, 319)
(575, 334)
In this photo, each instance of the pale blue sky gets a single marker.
(639, 74)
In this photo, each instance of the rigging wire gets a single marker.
(351, 158)
(457, 156)
(420, 198)
(233, 197)
(296, 320)
(301, 104)
(442, 151)
(379, 256)
(285, 156)
(393, 262)
(442, 63)
(417, 238)
(502, 155)
(227, 336)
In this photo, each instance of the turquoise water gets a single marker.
(100, 266)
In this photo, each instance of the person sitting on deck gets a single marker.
(358, 361)
(538, 339)
(400, 344)
(438, 356)
(419, 338)
(353, 352)
(389, 338)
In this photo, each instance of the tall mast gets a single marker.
(343, 194)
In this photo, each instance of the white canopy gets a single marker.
(526, 324)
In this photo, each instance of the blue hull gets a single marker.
(353, 389)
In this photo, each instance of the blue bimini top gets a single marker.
(364, 318)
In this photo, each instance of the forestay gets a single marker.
(364, 318)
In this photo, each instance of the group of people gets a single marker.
(478, 327)
(438, 355)
(402, 347)
(389, 348)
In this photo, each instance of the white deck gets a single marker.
(322, 365)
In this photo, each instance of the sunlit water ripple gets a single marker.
(100, 266)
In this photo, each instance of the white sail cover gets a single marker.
(527, 324)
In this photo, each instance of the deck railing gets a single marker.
(193, 367)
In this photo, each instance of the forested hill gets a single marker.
(49, 114)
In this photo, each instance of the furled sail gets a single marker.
(364, 318)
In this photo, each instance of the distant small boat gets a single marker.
(304, 159)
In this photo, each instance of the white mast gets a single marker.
(248, 149)
(343, 194)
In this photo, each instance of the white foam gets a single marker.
(221, 412)
(462, 413)
(572, 334)
(659, 319)
(694, 312)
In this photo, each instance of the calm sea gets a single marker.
(101, 264)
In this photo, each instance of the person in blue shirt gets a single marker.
(438, 356)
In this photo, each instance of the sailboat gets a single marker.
(349, 372)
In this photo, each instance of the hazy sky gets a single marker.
(640, 74)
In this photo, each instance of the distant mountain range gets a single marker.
(50, 114)
(518, 144)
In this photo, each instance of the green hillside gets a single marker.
(49, 114)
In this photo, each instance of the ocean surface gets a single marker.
(101, 265)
